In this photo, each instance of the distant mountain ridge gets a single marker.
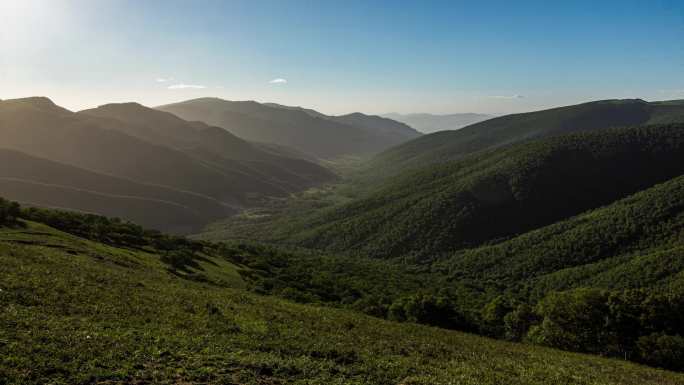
(449, 145)
(429, 123)
(303, 129)
(141, 145)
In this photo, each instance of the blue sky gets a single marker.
(338, 57)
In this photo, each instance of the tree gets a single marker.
(493, 314)
(659, 349)
(624, 320)
(426, 309)
(573, 320)
(519, 321)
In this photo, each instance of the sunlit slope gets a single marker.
(76, 311)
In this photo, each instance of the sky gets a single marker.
(343, 56)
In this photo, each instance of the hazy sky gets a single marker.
(343, 56)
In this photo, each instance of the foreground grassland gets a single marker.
(77, 312)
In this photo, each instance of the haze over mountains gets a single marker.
(159, 157)
(303, 129)
(429, 123)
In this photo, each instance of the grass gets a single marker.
(78, 312)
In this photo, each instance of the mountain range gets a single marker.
(306, 130)
(211, 172)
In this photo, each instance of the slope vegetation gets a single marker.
(492, 195)
(636, 242)
(80, 311)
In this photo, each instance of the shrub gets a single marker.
(9, 212)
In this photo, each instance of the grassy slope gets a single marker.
(74, 311)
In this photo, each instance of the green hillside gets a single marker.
(637, 242)
(487, 196)
(504, 130)
(79, 311)
(305, 130)
(609, 281)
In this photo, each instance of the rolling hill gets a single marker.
(130, 143)
(305, 130)
(81, 311)
(429, 123)
(509, 129)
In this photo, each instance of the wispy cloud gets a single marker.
(515, 96)
(278, 81)
(163, 80)
(186, 86)
(672, 91)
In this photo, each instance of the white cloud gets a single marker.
(186, 86)
(278, 81)
(515, 96)
(163, 80)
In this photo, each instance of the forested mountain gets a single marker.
(505, 130)
(429, 123)
(146, 146)
(305, 130)
(494, 194)
(636, 242)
